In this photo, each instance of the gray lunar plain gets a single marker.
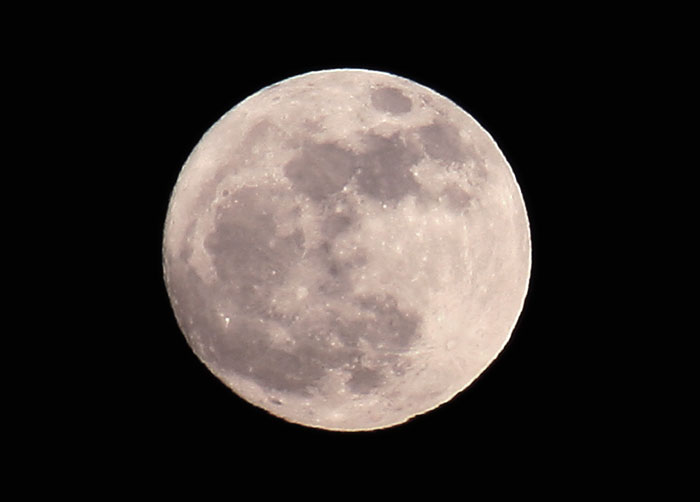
(346, 249)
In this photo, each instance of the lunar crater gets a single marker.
(391, 100)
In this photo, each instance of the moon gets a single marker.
(346, 249)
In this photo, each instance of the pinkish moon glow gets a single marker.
(346, 249)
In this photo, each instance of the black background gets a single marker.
(149, 397)
(104, 104)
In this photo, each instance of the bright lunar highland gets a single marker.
(346, 249)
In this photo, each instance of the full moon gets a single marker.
(346, 249)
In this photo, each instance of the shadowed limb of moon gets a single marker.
(346, 249)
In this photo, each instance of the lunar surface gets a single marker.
(346, 249)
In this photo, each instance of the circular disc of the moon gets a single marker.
(346, 249)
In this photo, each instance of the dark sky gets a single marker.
(530, 391)
(148, 391)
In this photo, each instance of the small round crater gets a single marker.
(391, 100)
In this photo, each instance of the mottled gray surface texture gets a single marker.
(304, 271)
(251, 261)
